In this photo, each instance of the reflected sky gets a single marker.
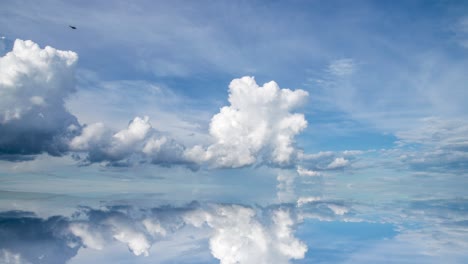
(233, 132)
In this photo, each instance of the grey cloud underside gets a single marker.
(34, 134)
(139, 143)
(34, 83)
(36, 240)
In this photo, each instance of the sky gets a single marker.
(233, 132)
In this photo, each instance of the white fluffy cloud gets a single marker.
(237, 234)
(305, 172)
(90, 238)
(338, 209)
(257, 123)
(32, 77)
(34, 83)
(338, 163)
(138, 141)
(114, 226)
(137, 241)
(321, 163)
(239, 237)
(305, 200)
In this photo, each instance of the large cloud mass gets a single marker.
(34, 83)
(257, 123)
(236, 234)
(239, 237)
(139, 141)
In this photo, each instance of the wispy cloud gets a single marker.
(342, 67)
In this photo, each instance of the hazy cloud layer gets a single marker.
(441, 146)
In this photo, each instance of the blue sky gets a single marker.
(180, 132)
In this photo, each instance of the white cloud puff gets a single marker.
(236, 234)
(90, 238)
(31, 76)
(136, 241)
(338, 163)
(239, 237)
(257, 123)
(308, 173)
(338, 209)
(90, 135)
(34, 83)
(139, 140)
(305, 200)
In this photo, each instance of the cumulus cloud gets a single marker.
(305, 172)
(325, 210)
(338, 163)
(236, 233)
(239, 237)
(28, 239)
(305, 200)
(137, 241)
(258, 123)
(90, 238)
(139, 141)
(34, 83)
(338, 209)
(102, 227)
(258, 126)
(316, 164)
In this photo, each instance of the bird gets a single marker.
(72, 27)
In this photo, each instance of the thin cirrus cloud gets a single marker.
(342, 67)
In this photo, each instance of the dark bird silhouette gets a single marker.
(72, 27)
